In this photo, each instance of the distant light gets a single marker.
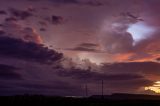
(140, 31)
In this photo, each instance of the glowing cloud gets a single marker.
(140, 31)
(91, 58)
(155, 87)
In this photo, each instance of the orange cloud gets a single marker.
(123, 57)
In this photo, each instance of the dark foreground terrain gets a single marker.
(108, 100)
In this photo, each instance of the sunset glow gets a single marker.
(155, 87)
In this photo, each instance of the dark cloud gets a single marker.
(133, 67)
(65, 1)
(158, 59)
(129, 86)
(27, 50)
(88, 75)
(8, 72)
(2, 32)
(113, 82)
(56, 88)
(130, 16)
(82, 49)
(33, 0)
(31, 9)
(57, 19)
(45, 8)
(58, 1)
(54, 19)
(94, 3)
(7, 67)
(88, 45)
(11, 19)
(20, 14)
(2, 12)
(42, 29)
(56, 85)
(79, 2)
(4, 87)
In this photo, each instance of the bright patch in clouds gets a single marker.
(155, 87)
(140, 31)
(91, 58)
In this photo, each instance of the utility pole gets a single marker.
(102, 90)
(86, 90)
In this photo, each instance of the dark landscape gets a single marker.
(96, 100)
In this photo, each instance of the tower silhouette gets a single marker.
(86, 90)
(102, 90)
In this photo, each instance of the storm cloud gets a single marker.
(8, 72)
(56, 47)
(27, 50)
(20, 14)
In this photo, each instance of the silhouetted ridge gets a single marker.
(125, 96)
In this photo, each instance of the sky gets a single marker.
(57, 47)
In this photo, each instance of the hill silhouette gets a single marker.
(95, 100)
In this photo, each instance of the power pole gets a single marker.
(102, 90)
(86, 90)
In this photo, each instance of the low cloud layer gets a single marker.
(8, 72)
